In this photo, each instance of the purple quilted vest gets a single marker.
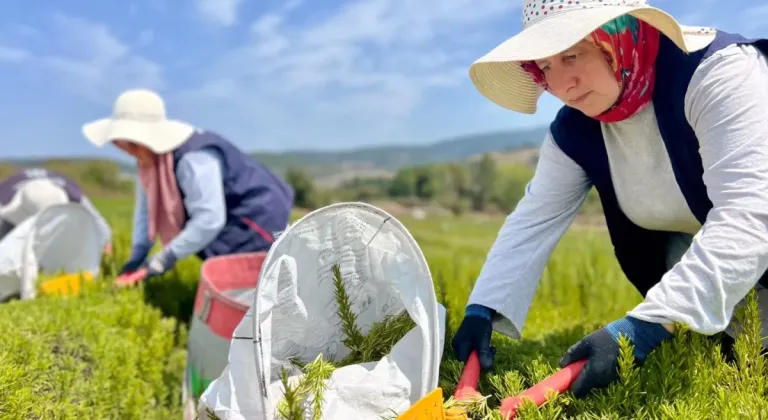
(258, 202)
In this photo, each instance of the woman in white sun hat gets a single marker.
(196, 191)
(666, 122)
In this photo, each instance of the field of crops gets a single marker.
(119, 354)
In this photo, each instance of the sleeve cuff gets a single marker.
(480, 311)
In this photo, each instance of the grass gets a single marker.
(124, 350)
(101, 355)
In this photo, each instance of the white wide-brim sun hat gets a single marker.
(551, 27)
(139, 116)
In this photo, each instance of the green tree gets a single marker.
(304, 188)
(404, 183)
(460, 179)
(429, 181)
(485, 182)
(511, 185)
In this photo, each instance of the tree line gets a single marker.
(484, 185)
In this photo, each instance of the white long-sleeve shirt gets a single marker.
(727, 105)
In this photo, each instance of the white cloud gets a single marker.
(388, 21)
(368, 65)
(94, 63)
(13, 54)
(291, 5)
(220, 12)
(146, 37)
(270, 41)
(24, 30)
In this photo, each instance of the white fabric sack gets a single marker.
(62, 237)
(294, 315)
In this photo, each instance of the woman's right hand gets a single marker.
(132, 265)
(138, 255)
(475, 334)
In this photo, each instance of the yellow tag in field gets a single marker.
(427, 408)
(68, 284)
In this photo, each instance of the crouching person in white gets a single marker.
(46, 224)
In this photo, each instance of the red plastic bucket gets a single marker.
(220, 305)
(221, 281)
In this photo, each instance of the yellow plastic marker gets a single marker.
(427, 408)
(67, 284)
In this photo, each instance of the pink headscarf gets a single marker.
(165, 209)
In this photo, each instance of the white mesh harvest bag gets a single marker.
(62, 237)
(294, 316)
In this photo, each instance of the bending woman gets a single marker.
(197, 191)
(667, 123)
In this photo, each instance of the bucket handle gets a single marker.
(205, 310)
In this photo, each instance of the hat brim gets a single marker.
(499, 77)
(160, 137)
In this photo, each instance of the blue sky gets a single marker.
(272, 75)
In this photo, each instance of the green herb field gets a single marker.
(120, 354)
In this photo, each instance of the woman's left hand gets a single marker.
(601, 349)
(160, 263)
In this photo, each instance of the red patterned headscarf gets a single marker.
(630, 45)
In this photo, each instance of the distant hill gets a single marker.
(395, 157)
(30, 163)
(333, 167)
(527, 156)
(98, 177)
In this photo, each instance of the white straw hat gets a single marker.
(139, 116)
(551, 27)
(32, 197)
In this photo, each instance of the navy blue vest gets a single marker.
(258, 202)
(10, 185)
(641, 252)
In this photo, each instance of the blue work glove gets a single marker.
(475, 334)
(160, 263)
(138, 255)
(601, 349)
